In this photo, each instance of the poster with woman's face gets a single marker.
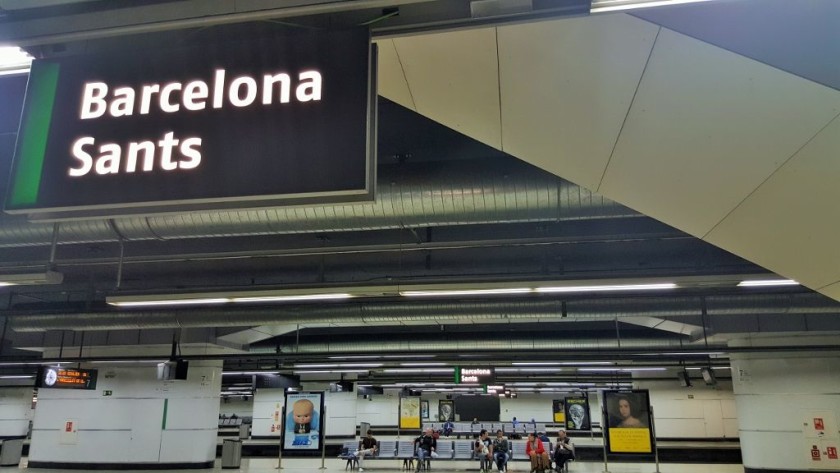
(446, 410)
(303, 426)
(628, 421)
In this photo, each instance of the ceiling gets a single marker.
(475, 125)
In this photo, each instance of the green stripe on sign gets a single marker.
(165, 408)
(43, 80)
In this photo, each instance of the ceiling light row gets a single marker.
(423, 291)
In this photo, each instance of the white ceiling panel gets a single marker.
(790, 224)
(453, 78)
(392, 84)
(706, 128)
(566, 86)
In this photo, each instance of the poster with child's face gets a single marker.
(304, 428)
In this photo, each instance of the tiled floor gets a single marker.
(299, 465)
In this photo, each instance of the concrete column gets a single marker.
(131, 420)
(15, 412)
(788, 407)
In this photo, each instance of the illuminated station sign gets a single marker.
(473, 375)
(66, 378)
(283, 119)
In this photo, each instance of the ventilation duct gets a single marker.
(449, 193)
(405, 313)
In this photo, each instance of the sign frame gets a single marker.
(153, 206)
(56, 377)
(630, 434)
(308, 436)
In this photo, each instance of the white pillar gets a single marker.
(130, 419)
(788, 407)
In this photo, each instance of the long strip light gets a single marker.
(337, 365)
(604, 6)
(14, 60)
(767, 283)
(595, 370)
(314, 295)
(606, 288)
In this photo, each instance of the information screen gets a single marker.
(65, 378)
(284, 119)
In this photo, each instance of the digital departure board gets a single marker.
(65, 378)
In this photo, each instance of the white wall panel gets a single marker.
(127, 426)
(341, 414)
(268, 412)
(706, 128)
(565, 88)
(15, 411)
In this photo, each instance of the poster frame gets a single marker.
(612, 419)
(288, 437)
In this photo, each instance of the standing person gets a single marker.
(515, 424)
(563, 451)
(368, 448)
(536, 452)
(482, 451)
(501, 451)
(426, 446)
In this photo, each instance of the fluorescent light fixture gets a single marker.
(246, 373)
(607, 370)
(768, 283)
(528, 370)
(171, 302)
(467, 292)
(337, 365)
(417, 370)
(606, 288)
(13, 60)
(423, 364)
(46, 277)
(16, 376)
(338, 371)
(293, 298)
(354, 357)
(604, 6)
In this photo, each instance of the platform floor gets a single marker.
(312, 465)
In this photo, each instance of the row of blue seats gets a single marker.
(474, 428)
(446, 449)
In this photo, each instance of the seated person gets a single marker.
(501, 451)
(535, 450)
(425, 447)
(482, 450)
(368, 448)
(564, 450)
(543, 436)
(447, 428)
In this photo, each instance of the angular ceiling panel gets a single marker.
(790, 224)
(453, 78)
(706, 128)
(391, 80)
(566, 86)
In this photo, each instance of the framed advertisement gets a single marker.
(577, 413)
(424, 410)
(304, 426)
(558, 411)
(446, 410)
(627, 420)
(410, 412)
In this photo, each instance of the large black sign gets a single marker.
(268, 121)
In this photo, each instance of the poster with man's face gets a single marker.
(303, 429)
(446, 411)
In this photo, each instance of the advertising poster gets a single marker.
(446, 410)
(558, 408)
(303, 430)
(577, 413)
(627, 415)
(409, 412)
